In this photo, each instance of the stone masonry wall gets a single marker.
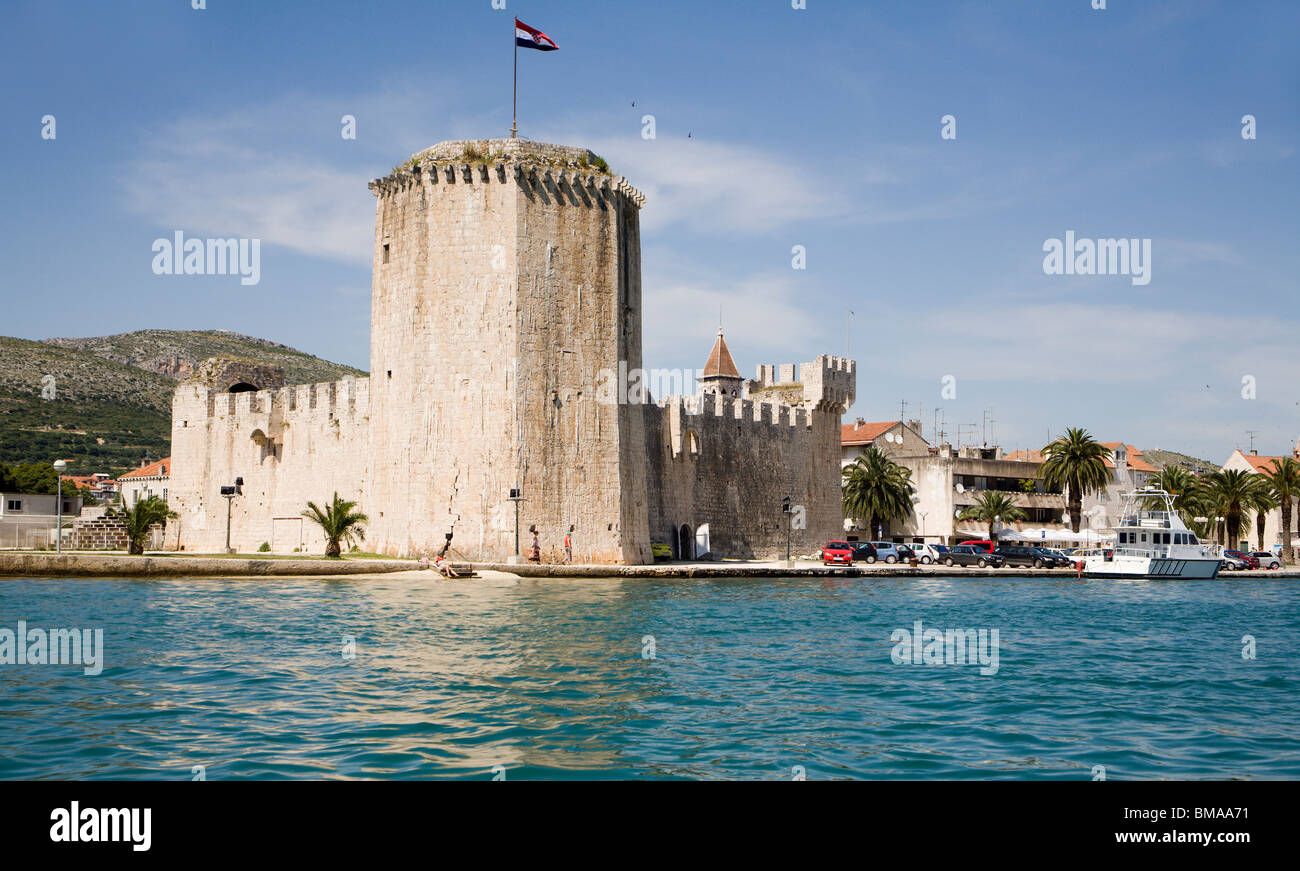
(501, 287)
(290, 446)
(729, 463)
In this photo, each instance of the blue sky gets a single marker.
(817, 127)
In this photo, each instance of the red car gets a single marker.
(1252, 562)
(981, 544)
(837, 553)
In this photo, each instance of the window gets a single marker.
(14, 505)
(385, 252)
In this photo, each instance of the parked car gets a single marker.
(969, 555)
(661, 551)
(863, 552)
(889, 552)
(1029, 557)
(1059, 558)
(837, 553)
(1233, 564)
(1267, 559)
(1250, 561)
(982, 544)
(926, 553)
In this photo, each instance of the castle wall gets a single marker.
(729, 463)
(291, 446)
(507, 281)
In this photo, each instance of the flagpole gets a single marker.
(514, 95)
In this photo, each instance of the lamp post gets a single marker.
(59, 467)
(785, 512)
(516, 496)
(229, 494)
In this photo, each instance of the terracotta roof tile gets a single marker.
(865, 433)
(720, 362)
(1260, 464)
(153, 470)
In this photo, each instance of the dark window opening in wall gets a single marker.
(390, 373)
(385, 252)
(241, 387)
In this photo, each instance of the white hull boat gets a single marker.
(1151, 541)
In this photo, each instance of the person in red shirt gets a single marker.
(568, 545)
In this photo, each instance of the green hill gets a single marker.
(111, 404)
(1160, 459)
(175, 353)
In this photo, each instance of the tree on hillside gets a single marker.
(1077, 463)
(339, 522)
(876, 489)
(35, 479)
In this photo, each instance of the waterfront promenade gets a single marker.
(35, 564)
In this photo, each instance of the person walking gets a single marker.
(568, 545)
(535, 552)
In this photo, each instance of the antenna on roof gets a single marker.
(1252, 433)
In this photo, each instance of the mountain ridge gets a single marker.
(103, 403)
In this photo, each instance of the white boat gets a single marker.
(1151, 541)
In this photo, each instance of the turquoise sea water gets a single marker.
(750, 678)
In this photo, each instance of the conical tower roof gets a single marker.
(720, 364)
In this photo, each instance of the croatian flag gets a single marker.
(528, 37)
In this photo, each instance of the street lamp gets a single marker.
(229, 493)
(59, 467)
(516, 496)
(785, 511)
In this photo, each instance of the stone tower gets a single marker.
(720, 375)
(507, 276)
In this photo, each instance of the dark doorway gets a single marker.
(241, 387)
(685, 543)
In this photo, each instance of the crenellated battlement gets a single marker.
(537, 167)
(828, 383)
(271, 409)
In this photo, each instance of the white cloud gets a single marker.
(279, 172)
(714, 187)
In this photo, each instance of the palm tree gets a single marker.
(1076, 462)
(1200, 503)
(1184, 487)
(140, 518)
(1284, 481)
(876, 488)
(1232, 491)
(339, 523)
(993, 505)
(1261, 503)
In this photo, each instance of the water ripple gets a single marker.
(750, 679)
